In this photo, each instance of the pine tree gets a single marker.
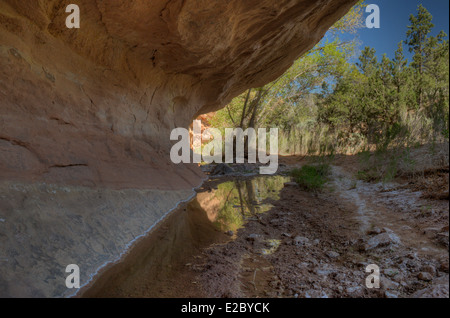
(417, 38)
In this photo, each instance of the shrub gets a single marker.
(311, 178)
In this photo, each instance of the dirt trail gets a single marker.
(385, 205)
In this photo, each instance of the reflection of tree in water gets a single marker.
(239, 199)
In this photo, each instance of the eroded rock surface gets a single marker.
(93, 107)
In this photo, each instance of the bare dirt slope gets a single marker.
(328, 239)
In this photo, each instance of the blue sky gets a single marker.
(394, 21)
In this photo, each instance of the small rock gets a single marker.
(276, 221)
(373, 231)
(230, 233)
(332, 254)
(429, 269)
(399, 278)
(356, 291)
(384, 239)
(253, 237)
(425, 276)
(391, 272)
(323, 271)
(300, 240)
(274, 283)
(390, 294)
(443, 238)
(431, 232)
(443, 267)
(388, 284)
(412, 255)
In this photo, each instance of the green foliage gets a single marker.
(352, 21)
(384, 165)
(326, 103)
(311, 177)
(280, 103)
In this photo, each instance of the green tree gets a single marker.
(430, 66)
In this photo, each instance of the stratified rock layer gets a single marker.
(94, 107)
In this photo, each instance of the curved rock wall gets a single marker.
(93, 107)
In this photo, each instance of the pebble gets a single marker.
(355, 291)
(384, 239)
(425, 276)
(429, 269)
(443, 238)
(332, 254)
(390, 294)
(388, 284)
(443, 267)
(300, 240)
(253, 237)
(375, 230)
(431, 232)
(391, 272)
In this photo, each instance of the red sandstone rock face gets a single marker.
(95, 106)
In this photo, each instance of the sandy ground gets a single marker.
(314, 245)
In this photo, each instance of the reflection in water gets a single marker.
(156, 265)
(272, 245)
(233, 202)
